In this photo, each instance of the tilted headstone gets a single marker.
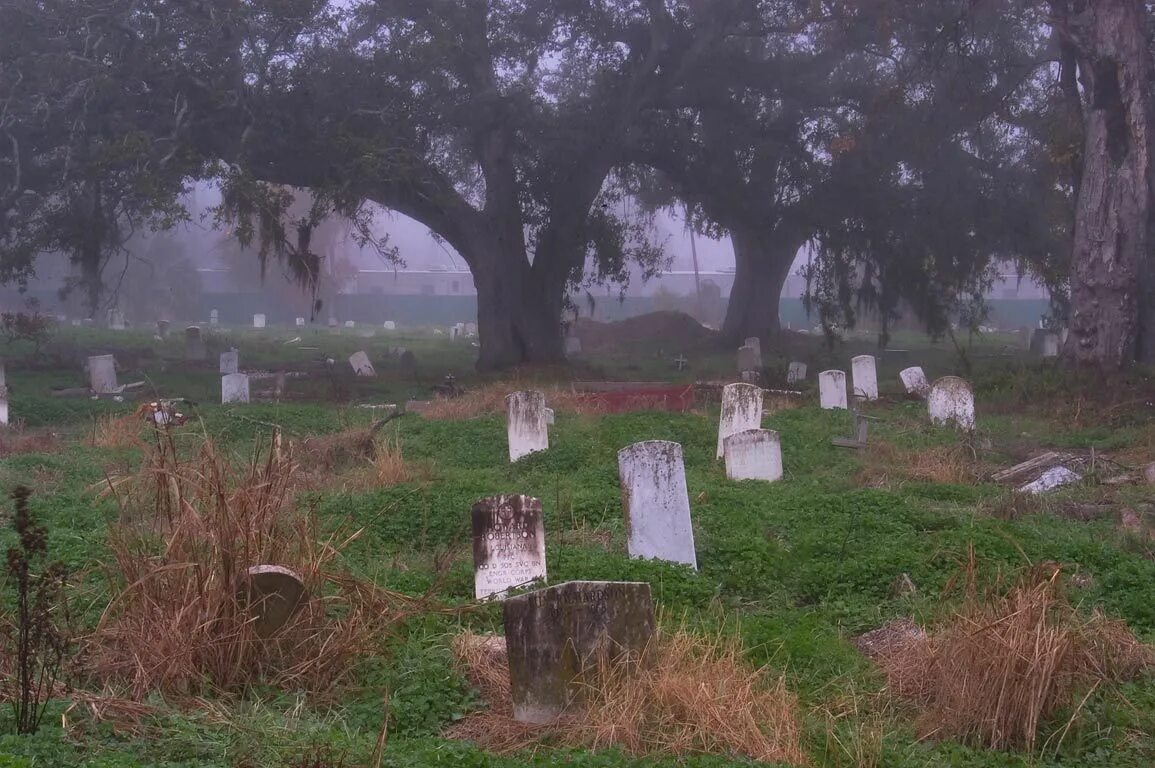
(755, 454)
(508, 544)
(230, 361)
(656, 502)
(361, 365)
(559, 638)
(235, 388)
(864, 372)
(796, 373)
(258, 321)
(102, 374)
(526, 424)
(214, 317)
(390, 325)
(914, 381)
(951, 401)
(272, 594)
(748, 359)
(832, 390)
(741, 410)
(194, 345)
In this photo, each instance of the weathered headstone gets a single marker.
(390, 325)
(832, 390)
(470, 330)
(558, 638)
(102, 374)
(525, 424)
(271, 594)
(951, 400)
(361, 365)
(508, 544)
(258, 321)
(194, 345)
(230, 361)
(116, 319)
(914, 381)
(741, 410)
(550, 417)
(755, 454)
(864, 372)
(235, 388)
(1050, 345)
(656, 502)
(333, 326)
(350, 324)
(796, 373)
(162, 328)
(748, 359)
(756, 343)
(215, 317)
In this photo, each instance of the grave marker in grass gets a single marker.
(508, 544)
(656, 502)
(526, 427)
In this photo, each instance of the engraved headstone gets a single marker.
(230, 361)
(235, 388)
(741, 410)
(748, 359)
(526, 424)
(559, 638)
(259, 321)
(755, 454)
(508, 544)
(832, 390)
(272, 594)
(951, 400)
(914, 381)
(194, 345)
(361, 365)
(102, 374)
(864, 372)
(656, 502)
(796, 373)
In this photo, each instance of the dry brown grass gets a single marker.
(1008, 662)
(112, 431)
(176, 623)
(16, 441)
(692, 694)
(490, 400)
(885, 466)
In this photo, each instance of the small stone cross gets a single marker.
(681, 362)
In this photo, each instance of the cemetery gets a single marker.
(303, 546)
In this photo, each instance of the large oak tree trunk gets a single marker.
(762, 263)
(1109, 268)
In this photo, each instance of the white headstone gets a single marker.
(258, 321)
(230, 361)
(235, 388)
(741, 410)
(508, 544)
(350, 324)
(914, 380)
(832, 390)
(951, 400)
(796, 373)
(214, 317)
(864, 371)
(755, 454)
(361, 364)
(656, 502)
(1051, 345)
(300, 322)
(390, 325)
(332, 321)
(526, 424)
(102, 374)
(749, 359)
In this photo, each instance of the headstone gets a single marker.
(300, 322)
(756, 343)
(194, 345)
(864, 372)
(951, 400)
(508, 544)
(748, 359)
(214, 317)
(656, 502)
(102, 374)
(390, 325)
(470, 330)
(272, 594)
(361, 364)
(116, 319)
(573, 345)
(235, 388)
(162, 328)
(350, 324)
(755, 454)
(525, 424)
(741, 410)
(914, 380)
(258, 321)
(230, 361)
(796, 373)
(1050, 345)
(549, 416)
(558, 638)
(333, 327)
(832, 390)
(680, 362)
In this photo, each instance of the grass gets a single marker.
(790, 572)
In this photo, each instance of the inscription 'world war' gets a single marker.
(508, 544)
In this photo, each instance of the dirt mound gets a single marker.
(675, 329)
